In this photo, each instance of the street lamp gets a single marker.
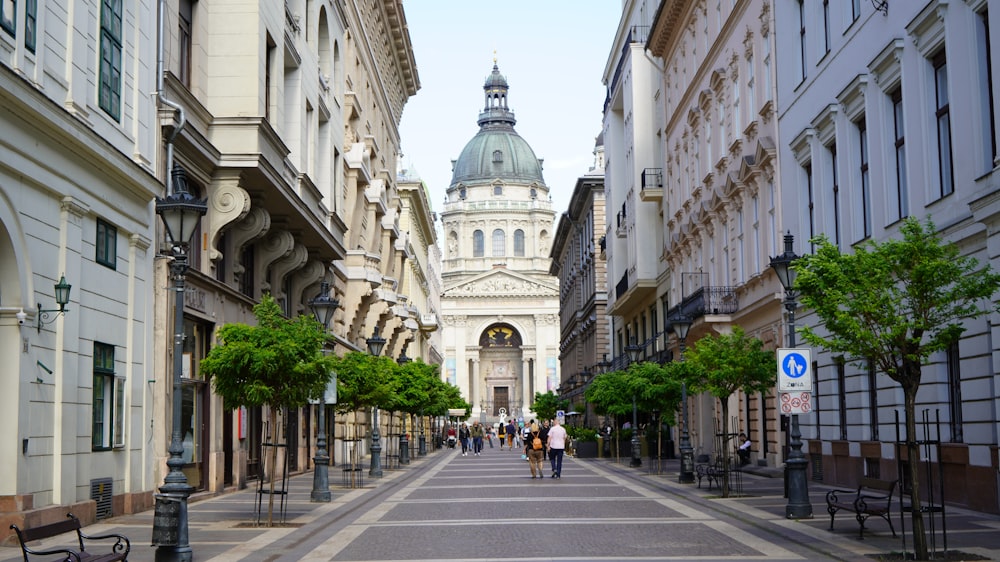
(795, 465)
(375, 345)
(181, 214)
(633, 350)
(322, 308)
(404, 439)
(62, 299)
(682, 325)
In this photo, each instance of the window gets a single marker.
(755, 255)
(30, 20)
(955, 392)
(866, 189)
(768, 92)
(737, 120)
(855, 10)
(185, 15)
(900, 144)
(107, 425)
(841, 396)
(751, 94)
(872, 400)
(110, 95)
(107, 240)
(497, 156)
(943, 118)
(802, 40)
(499, 243)
(984, 68)
(826, 26)
(8, 15)
(811, 200)
(497, 189)
(835, 193)
(519, 243)
(478, 244)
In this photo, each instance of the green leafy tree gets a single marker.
(546, 405)
(895, 303)
(724, 364)
(278, 363)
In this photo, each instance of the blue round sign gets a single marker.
(794, 365)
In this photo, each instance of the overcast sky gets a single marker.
(553, 54)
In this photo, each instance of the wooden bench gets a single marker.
(119, 550)
(872, 497)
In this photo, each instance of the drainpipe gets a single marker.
(161, 97)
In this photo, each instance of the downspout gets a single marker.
(161, 97)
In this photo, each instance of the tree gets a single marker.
(546, 405)
(724, 364)
(894, 303)
(278, 363)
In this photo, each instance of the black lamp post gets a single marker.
(375, 345)
(322, 308)
(795, 465)
(181, 214)
(404, 439)
(633, 351)
(681, 325)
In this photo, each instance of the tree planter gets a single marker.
(586, 449)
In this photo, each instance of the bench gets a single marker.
(713, 472)
(119, 550)
(871, 498)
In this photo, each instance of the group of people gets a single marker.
(551, 442)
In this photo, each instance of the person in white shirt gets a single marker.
(743, 452)
(557, 445)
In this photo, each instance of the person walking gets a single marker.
(557, 445)
(533, 448)
(477, 438)
(501, 434)
(463, 436)
(511, 433)
(543, 434)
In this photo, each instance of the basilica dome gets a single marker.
(497, 151)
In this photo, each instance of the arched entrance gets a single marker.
(500, 359)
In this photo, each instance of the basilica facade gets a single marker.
(499, 305)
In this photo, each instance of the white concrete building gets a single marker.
(885, 116)
(78, 162)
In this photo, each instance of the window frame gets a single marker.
(106, 244)
(110, 55)
(899, 145)
(942, 119)
(956, 420)
(498, 243)
(107, 401)
(8, 16)
(519, 243)
(478, 244)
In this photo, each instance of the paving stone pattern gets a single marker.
(449, 508)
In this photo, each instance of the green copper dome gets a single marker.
(497, 151)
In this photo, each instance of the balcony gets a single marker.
(706, 301)
(652, 184)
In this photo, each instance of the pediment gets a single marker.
(503, 283)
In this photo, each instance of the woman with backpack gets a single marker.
(501, 434)
(533, 446)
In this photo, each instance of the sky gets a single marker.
(553, 54)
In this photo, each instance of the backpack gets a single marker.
(536, 443)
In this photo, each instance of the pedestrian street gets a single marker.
(447, 507)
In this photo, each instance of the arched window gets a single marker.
(519, 243)
(478, 244)
(499, 243)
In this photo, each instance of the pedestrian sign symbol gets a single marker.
(794, 370)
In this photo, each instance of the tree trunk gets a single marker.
(725, 449)
(913, 461)
(274, 464)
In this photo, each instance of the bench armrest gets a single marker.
(122, 544)
(833, 495)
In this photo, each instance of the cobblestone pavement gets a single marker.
(449, 507)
